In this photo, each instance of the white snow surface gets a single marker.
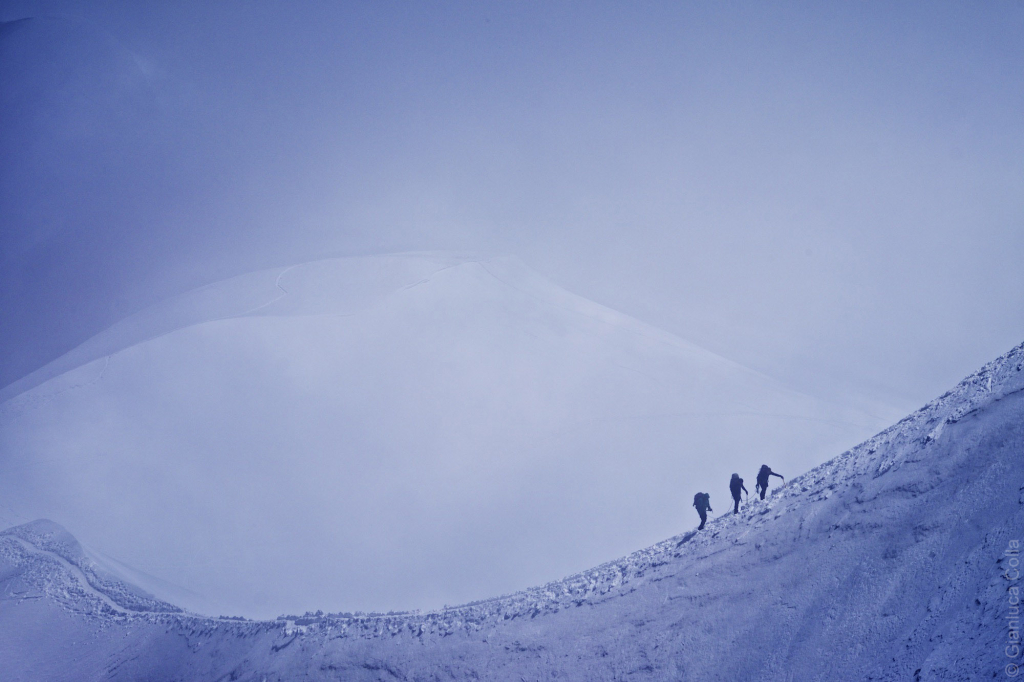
(388, 432)
(895, 560)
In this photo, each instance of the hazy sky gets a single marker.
(830, 193)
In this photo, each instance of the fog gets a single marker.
(830, 195)
(390, 433)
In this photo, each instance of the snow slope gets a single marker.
(388, 432)
(46, 542)
(897, 560)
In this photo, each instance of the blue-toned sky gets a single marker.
(829, 193)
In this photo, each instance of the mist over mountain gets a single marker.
(261, 352)
(745, 178)
(898, 559)
(389, 432)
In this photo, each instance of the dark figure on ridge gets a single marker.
(735, 486)
(702, 501)
(762, 479)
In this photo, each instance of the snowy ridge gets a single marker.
(47, 544)
(363, 280)
(889, 563)
(996, 380)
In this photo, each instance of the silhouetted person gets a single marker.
(762, 479)
(702, 501)
(735, 486)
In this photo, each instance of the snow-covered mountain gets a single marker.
(897, 560)
(389, 432)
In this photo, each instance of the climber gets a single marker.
(702, 501)
(735, 486)
(762, 479)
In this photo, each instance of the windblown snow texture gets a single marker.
(888, 562)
